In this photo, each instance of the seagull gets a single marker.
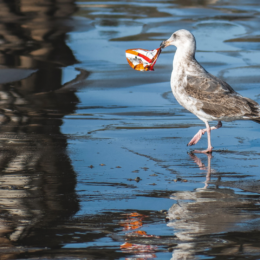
(204, 95)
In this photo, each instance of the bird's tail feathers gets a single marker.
(257, 120)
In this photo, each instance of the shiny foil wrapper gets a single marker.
(141, 59)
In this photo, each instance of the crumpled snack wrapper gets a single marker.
(142, 60)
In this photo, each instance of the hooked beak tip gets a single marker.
(162, 45)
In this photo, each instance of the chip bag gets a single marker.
(142, 60)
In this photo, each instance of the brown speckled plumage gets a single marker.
(216, 98)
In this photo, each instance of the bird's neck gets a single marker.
(184, 55)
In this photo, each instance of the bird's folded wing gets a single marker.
(218, 99)
(209, 83)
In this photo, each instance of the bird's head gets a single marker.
(182, 39)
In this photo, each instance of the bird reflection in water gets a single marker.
(202, 166)
(199, 217)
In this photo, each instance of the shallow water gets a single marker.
(94, 162)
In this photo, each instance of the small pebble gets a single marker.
(152, 184)
(184, 180)
(153, 174)
(102, 164)
(136, 171)
(118, 167)
(137, 179)
(145, 168)
(91, 166)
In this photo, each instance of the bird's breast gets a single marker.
(178, 82)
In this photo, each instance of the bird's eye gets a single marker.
(174, 36)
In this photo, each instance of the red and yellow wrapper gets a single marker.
(141, 59)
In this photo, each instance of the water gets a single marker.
(94, 162)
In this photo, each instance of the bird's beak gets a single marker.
(164, 44)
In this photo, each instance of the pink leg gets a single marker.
(209, 149)
(208, 129)
(201, 132)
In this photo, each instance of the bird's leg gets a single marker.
(197, 137)
(208, 128)
(201, 132)
(209, 150)
(217, 126)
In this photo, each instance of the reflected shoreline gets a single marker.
(37, 184)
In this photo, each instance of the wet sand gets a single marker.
(94, 162)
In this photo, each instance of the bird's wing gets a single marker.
(208, 83)
(218, 99)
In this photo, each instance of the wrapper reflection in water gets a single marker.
(139, 251)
